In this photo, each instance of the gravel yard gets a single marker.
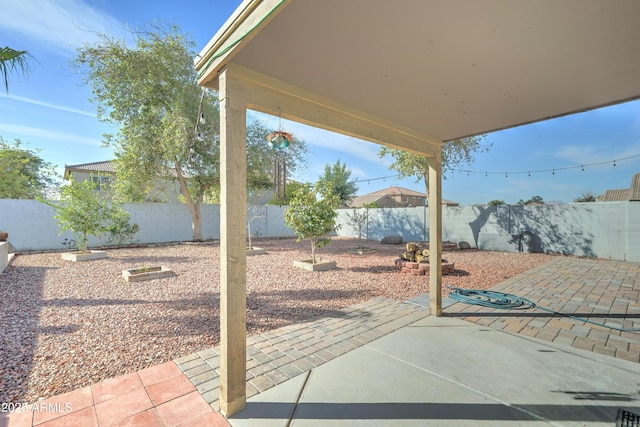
(66, 325)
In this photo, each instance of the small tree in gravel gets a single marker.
(358, 221)
(312, 215)
(83, 211)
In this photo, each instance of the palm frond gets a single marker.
(12, 60)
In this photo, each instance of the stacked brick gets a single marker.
(415, 260)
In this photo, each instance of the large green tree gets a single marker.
(455, 154)
(168, 127)
(23, 173)
(12, 60)
(338, 176)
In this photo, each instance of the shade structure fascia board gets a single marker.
(271, 96)
(244, 24)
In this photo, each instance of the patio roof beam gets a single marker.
(274, 97)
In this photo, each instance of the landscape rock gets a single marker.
(464, 245)
(391, 240)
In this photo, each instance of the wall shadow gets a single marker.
(430, 411)
(547, 229)
(387, 222)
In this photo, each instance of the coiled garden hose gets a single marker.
(500, 300)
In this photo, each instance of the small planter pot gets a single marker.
(140, 274)
(4, 236)
(83, 256)
(318, 266)
(255, 251)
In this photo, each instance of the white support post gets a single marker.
(233, 261)
(435, 235)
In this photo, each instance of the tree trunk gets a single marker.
(197, 223)
(426, 181)
(313, 251)
(194, 207)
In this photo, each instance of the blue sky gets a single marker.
(50, 110)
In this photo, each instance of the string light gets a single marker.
(507, 173)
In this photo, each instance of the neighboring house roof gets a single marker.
(623, 194)
(399, 191)
(393, 191)
(107, 166)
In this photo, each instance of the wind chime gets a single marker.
(279, 141)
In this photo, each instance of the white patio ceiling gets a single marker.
(444, 68)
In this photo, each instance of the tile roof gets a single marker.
(398, 191)
(107, 166)
(623, 194)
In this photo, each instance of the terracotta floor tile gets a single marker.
(159, 373)
(183, 409)
(83, 418)
(169, 389)
(16, 419)
(62, 404)
(114, 387)
(212, 419)
(115, 410)
(147, 418)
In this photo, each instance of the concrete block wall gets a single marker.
(603, 230)
(31, 225)
(268, 222)
(633, 232)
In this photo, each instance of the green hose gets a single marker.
(493, 299)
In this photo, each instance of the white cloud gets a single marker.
(51, 137)
(590, 154)
(57, 25)
(52, 106)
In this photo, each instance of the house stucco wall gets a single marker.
(164, 190)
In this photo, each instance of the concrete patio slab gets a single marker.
(445, 371)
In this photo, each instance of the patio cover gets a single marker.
(408, 74)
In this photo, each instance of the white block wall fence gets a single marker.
(604, 230)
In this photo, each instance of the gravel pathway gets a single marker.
(66, 325)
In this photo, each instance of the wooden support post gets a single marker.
(233, 261)
(435, 235)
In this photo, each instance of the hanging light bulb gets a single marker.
(485, 175)
(505, 175)
(614, 163)
(202, 119)
(554, 172)
(529, 173)
(582, 168)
